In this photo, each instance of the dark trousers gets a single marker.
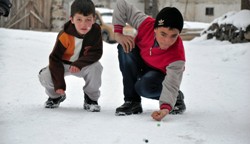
(138, 78)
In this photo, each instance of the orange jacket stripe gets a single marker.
(68, 41)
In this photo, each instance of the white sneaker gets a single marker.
(92, 107)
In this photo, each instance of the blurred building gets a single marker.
(52, 14)
(202, 10)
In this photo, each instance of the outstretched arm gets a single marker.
(170, 87)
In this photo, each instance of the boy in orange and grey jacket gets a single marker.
(77, 51)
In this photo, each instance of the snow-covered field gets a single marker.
(215, 84)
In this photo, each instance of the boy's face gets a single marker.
(82, 23)
(166, 36)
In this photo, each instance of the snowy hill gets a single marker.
(215, 84)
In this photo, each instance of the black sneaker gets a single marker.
(90, 105)
(129, 108)
(54, 103)
(180, 106)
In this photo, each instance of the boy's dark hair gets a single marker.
(85, 7)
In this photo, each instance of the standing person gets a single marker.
(153, 62)
(5, 6)
(77, 51)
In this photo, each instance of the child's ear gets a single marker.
(155, 30)
(71, 19)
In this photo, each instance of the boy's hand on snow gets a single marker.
(126, 41)
(74, 69)
(60, 91)
(159, 115)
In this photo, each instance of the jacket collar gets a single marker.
(69, 28)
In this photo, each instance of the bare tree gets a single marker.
(151, 7)
(147, 7)
(155, 8)
(245, 4)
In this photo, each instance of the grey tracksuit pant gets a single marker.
(91, 74)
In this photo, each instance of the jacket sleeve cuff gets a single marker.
(166, 106)
(118, 29)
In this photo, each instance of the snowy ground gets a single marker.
(215, 84)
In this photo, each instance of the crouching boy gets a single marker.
(77, 51)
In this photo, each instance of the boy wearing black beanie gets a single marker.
(152, 63)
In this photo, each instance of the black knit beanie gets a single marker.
(169, 17)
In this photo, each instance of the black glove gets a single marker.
(5, 6)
